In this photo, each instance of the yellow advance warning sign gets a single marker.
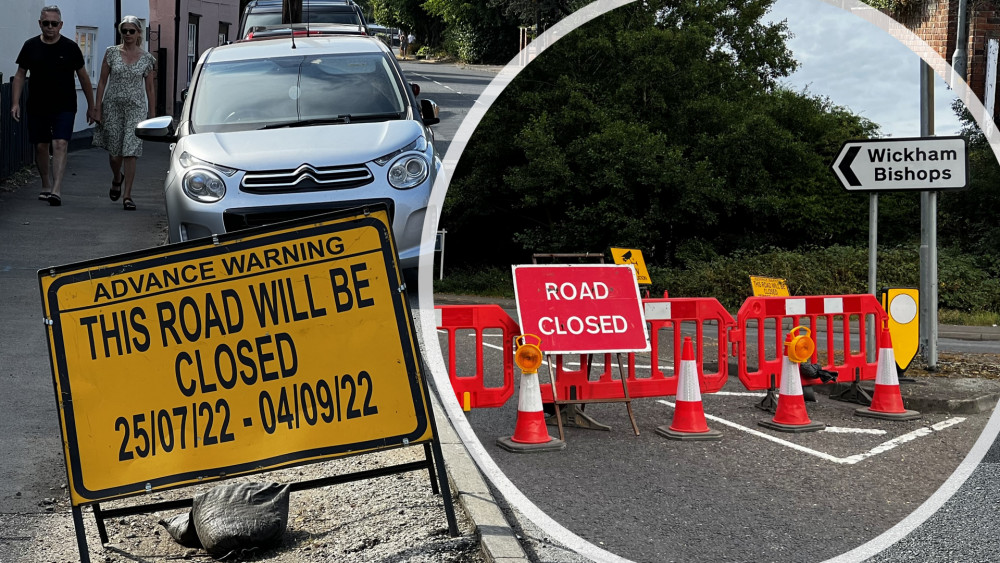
(173, 366)
(769, 287)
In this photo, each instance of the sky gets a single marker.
(858, 65)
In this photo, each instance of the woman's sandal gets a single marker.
(44, 196)
(116, 190)
(128, 204)
(54, 200)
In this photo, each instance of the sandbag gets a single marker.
(233, 519)
(181, 529)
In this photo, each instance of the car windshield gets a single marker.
(304, 90)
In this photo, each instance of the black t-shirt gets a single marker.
(51, 69)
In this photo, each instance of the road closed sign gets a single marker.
(581, 308)
(252, 352)
(925, 163)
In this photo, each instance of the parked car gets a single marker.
(275, 129)
(260, 13)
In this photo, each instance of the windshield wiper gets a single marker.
(376, 116)
(343, 118)
(308, 122)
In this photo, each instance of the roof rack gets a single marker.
(302, 30)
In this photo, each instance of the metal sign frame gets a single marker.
(68, 290)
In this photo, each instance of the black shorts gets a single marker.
(43, 127)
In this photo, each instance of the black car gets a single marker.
(263, 13)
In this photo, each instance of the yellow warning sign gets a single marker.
(178, 365)
(903, 307)
(632, 256)
(768, 287)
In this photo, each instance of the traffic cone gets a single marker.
(530, 433)
(689, 416)
(887, 402)
(790, 414)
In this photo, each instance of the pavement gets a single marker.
(92, 217)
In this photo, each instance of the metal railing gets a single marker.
(15, 150)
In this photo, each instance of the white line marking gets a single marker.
(843, 430)
(850, 460)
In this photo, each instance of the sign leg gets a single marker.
(430, 468)
(81, 534)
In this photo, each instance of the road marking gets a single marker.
(850, 460)
(843, 430)
(436, 82)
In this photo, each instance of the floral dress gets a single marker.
(124, 104)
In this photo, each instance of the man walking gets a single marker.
(49, 62)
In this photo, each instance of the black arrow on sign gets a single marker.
(845, 166)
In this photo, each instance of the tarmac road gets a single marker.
(756, 495)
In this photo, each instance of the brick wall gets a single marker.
(936, 23)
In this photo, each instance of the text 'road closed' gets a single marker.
(581, 308)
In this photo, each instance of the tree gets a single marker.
(477, 32)
(409, 15)
(542, 13)
(967, 218)
(662, 126)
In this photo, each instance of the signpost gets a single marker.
(927, 164)
(582, 309)
(236, 355)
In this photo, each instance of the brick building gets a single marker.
(936, 23)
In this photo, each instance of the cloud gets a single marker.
(859, 66)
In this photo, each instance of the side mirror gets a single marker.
(429, 112)
(184, 95)
(158, 129)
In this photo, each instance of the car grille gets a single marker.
(236, 219)
(306, 178)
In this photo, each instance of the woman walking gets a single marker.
(125, 96)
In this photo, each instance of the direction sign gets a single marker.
(581, 308)
(249, 352)
(922, 163)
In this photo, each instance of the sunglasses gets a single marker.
(47, 23)
(128, 31)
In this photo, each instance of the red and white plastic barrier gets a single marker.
(839, 323)
(471, 389)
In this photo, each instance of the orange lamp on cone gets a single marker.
(790, 415)
(530, 433)
(799, 348)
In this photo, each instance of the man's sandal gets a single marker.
(116, 191)
(44, 196)
(128, 204)
(54, 200)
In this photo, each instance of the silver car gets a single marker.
(277, 129)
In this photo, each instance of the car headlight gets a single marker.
(187, 160)
(203, 181)
(408, 172)
(203, 185)
(419, 144)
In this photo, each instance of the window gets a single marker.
(223, 33)
(86, 38)
(192, 44)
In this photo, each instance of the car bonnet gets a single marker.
(320, 145)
